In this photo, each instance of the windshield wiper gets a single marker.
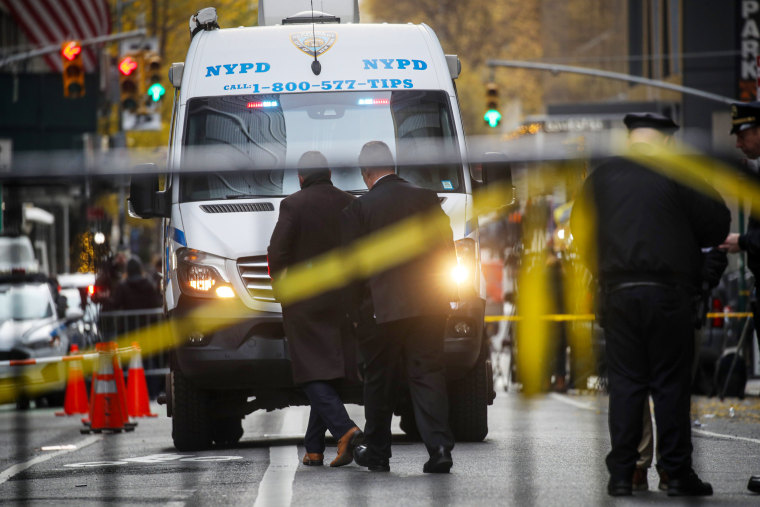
(246, 196)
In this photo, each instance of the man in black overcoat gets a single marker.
(322, 351)
(408, 306)
(646, 254)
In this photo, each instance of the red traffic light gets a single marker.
(127, 65)
(71, 50)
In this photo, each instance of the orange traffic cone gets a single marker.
(75, 401)
(121, 386)
(106, 413)
(138, 403)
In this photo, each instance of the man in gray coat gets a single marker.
(321, 350)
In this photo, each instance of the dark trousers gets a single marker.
(649, 332)
(327, 413)
(413, 346)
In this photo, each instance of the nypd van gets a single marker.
(249, 102)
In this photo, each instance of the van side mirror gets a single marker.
(145, 199)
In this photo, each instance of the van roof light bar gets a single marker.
(305, 17)
(204, 19)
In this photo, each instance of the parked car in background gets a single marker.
(81, 311)
(17, 255)
(32, 325)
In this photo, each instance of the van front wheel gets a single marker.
(191, 423)
(468, 403)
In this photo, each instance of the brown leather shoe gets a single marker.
(313, 459)
(346, 445)
(640, 482)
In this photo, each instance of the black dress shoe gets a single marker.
(688, 484)
(362, 458)
(754, 484)
(619, 487)
(440, 462)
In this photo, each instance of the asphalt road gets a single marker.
(543, 451)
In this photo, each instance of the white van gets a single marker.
(252, 99)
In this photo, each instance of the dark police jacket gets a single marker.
(648, 227)
(420, 286)
(319, 341)
(750, 242)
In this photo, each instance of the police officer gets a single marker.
(646, 253)
(745, 120)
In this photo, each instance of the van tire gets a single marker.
(227, 431)
(191, 423)
(469, 398)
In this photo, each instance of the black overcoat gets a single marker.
(422, 285)
(320, 345)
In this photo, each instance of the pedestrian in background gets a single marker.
(135, 292)
(745, 119)
(408, 304)
(110, 274)
(646, 254)
(322, 351)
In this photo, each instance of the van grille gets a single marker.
(254, 272)
(238, 208)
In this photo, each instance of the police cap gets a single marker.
(650, 120)
(744, 115)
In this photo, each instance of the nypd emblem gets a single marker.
(314, 43)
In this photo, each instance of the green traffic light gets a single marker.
(156, 91)
(492, 117)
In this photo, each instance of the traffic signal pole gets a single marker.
(55, 48)
(556, 69)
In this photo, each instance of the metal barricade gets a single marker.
(115, 324)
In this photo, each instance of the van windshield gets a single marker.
(258, 140)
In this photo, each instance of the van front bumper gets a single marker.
(464, 336)
(247, 350)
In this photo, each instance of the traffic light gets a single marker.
(492, 116)
(73, 70)
(130, 68)
(153, 86)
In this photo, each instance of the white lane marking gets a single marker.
(155, 459)
(728, 437)
(20, 467)
(276, 487)
(579, 404)
(58, 448)
(590, 406)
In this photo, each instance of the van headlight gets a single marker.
(465, 273)
(202, 274)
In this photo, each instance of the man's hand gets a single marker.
(731, 243)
